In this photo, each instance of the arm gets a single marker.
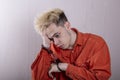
(98, 66)
(41, 65)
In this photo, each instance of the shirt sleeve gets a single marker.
(41, 66)
(97, 68)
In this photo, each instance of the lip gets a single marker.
(61, 45)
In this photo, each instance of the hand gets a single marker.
(54, 68)
(46, 41)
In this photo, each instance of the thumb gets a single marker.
(50, 74)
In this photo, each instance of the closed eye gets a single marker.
(56, 35)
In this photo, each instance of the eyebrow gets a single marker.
(51, 39)
(55, 34)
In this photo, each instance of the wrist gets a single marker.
(63, 66)
(59, 67)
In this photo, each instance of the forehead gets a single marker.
(52, 29)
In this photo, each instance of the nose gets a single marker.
(56, 41)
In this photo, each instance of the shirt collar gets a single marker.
(79, 39)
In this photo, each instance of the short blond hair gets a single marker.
(55, 16)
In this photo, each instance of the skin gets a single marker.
(63, 37)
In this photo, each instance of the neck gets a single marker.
(73, 39)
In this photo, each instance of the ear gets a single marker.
(67, 25)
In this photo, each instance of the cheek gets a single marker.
(66, 40)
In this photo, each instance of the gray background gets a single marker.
(19, 43)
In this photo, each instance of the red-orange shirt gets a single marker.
(88, 60)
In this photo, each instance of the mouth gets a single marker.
(61, 46)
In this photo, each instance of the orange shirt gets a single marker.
(88, 60)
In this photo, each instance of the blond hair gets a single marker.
(55, 16)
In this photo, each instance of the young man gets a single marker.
(68, 54)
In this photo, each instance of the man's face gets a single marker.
(60, 35)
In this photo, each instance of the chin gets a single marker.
(64, 47)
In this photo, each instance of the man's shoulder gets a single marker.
(96, 37)
(93, 37)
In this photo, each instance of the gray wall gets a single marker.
(19, 43)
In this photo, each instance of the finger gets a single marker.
(54, 78)
(50, 74)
